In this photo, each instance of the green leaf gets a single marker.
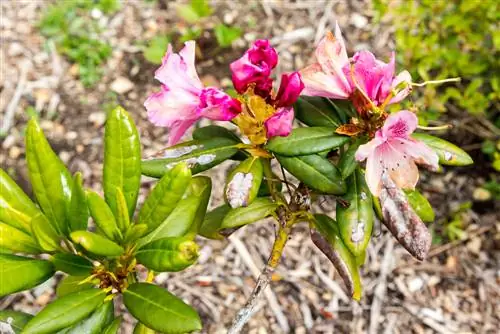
(177, 224)
(201, 188)
(135, 232)
(96, 322)
(212, 223)
(142, 329)
(214, 131)
(65, 311)
(17, 241)
(19, 273)
(199, 155)
(16, 320)
(50, 179)
(44, 233)
(156, 48)
(113, 327)
(226, 35)
(122, 160)
(348, 163)
(316, 172)
(316, 111)
(326, 237)
(421, 205)
(16, 209)
(72, 264)
(356, 221)
(71, 284)
(164, 196)
(201, 7)
(448, 153)
(259, 209)
(78, 211)
(168, 254)
(103, 217)
(243, 183)
(158, 309)
(96, 244)
(306, 141)
(122, 217)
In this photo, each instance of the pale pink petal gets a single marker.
(318, 83)
(280, 124)
(178, 129)
(188, 54)
(373, 173)
(365, 150)
(342, 54)
(420, 152)
(400, 166)
(167, 106)
(400, 124)
(405, 77)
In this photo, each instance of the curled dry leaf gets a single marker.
(402, 221)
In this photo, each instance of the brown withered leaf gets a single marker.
(402, 221)
(349, 130)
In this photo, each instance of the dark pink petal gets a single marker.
(366, 73)
(178, 129)
(217, 105)
(400, 124)
(290, 88)
(280, 124)
(263, 53)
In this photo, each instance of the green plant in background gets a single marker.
(76, 31)
(101, 261)
(443, 39)
(155, 50)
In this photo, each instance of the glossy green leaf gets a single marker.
(16, 208)
(377, 208)
(316, 111)
(44, 233)
(96, 322)
(421, 205)
(199, 155)
(122, 160)
(168, 254)
(316, 172)
(103, 216)
(135, 232)
(356, 220)
(178, 223)
(71, 284)
(259, 209)
(122, 217)
(50, 179)
(142, 329)
(17, 241)
(306, 141)
(164, 196)
(326, 237)
(448, 153)
(78, 210)
(18, 273)
(96, 244)
(16, 320)
(65, 311)
(113, 327)
(212, 223)
(348, 163)
(243, 182)
(72, 264)
(215, 131)
(201, 188)
(160, 310)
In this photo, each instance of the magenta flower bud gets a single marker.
(290, 88)
(255, 67)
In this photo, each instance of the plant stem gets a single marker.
(263, 281)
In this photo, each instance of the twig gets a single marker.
(11, 108)
(440, 249)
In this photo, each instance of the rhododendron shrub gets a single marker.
(345, 146)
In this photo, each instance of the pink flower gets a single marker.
(280, 123)
(255, 67)
(393, 151)
(336, 76)
(183, 99)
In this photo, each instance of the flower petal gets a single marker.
(290, 87)
(400, 166)
(420, 152)
(217, 105)
(373, 173)
(177, 130)
(318, 83)
(400, 124)
(365, 150)
(280, 124)
(403, 77)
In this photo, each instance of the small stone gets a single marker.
(121, 85)
(481, 194)
(65, 156)
(474, 246)
(97, 118)
(71, 135)
(359, 21)
(415, 284)
(8, 142)
(14, 152)
(15, 49)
